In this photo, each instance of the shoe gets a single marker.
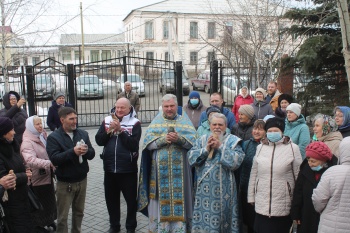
(130, 231)
(112, 230)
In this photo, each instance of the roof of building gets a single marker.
(208, 7)
(92, 38)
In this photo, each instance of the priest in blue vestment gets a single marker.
(165, 191)
(215, 157)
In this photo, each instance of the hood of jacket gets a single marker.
(300, 120)
(344, 148)
(332, 136)
(6, 99)
(27, 135)
(57, 106)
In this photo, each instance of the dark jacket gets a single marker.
(345, 132)
(249, 148)
(53, 120)
(60, 149)
(302, 207)
(17, 207)
(279, 113)
(243, 130)
(194, 113)
(261, 109)
(120, 152)
(16, 114)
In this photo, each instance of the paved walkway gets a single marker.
(96, 217)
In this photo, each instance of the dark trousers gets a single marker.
(127, 184)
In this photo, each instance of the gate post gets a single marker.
(178, 82)
(125, 70)
(71, 88)
(30, 90)
(215, 77)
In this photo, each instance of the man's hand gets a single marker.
(81, 150)
(213, 143)
(171, 137)
(21, 102)
(29, 173)
(8, 181)
(115, 126)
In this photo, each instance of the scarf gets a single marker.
(32, 129)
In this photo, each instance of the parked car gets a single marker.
(229, 90)
(45, 86)
(166, 83)
(202, 81)
(89, 86)
(136, 82)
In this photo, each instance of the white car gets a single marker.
(136, 82)
(229, 90)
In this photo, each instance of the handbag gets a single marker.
(34, 201)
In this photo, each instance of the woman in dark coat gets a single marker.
(318, 159)
(13, 109)
(17, 214)
(342, 119)
(53, 120)
(283, 101)
(244, 127)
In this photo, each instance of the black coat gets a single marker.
(302, 207)
(345, 132)
(243, 130)
(16, 209)
(16, 114)
(53, 120)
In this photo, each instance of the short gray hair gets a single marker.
(168, 97)
(218, 115)
(127, 82)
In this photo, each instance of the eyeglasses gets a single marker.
(338, 116)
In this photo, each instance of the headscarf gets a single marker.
(32, 129)
(346, 116)
(328, 124)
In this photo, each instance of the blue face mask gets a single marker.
(316, 169)
(274, 136)
(194, 101)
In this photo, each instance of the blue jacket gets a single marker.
(53, 120)
(249, 148)
(299, 132)
(231, 120)
(60, 148)
(120, 152)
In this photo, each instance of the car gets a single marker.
(202, 81)
(136, 82)
(166, 83)
(89, 86)
(45, 86)
(229, 90)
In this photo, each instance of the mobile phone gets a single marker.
(42, 171)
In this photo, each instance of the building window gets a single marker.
(211, 57)
(77, 56)
(246, 31)
(94, 55)
(15, 60)
(262, 31)
(228, 28)
(193, 58)
(211, 30)
(149, 30)
(25, 61)
(52, 61)
(106, 54)
(149, 58)
(166, 56)
(66, 56)
(35, 60)
(193, 30)
(165, 29)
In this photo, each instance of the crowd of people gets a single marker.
(255, 168)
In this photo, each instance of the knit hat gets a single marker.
(247, 110)
(286, 97)
(275, 122)
(194, 94)
(213, 108)
(318, 150)
(6, 125)
(59, 94)
(268, 117)
(296, 108)
(259, 89)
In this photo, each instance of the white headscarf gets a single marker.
(32, 129)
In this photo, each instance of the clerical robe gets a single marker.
(165, 191)
(215, 207)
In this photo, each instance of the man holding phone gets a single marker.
(65, 151)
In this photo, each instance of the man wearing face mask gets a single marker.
(275, 168)
(194, 108)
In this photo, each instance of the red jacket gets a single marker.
(240, 100)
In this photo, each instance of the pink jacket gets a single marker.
(35, 156)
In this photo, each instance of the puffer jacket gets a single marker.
(120, 152)
(34, 154)
(332, 140)
(243, 130)
(194, 113)
(239, 101)
(16, 114)
(299, 132)
(272, 178)
(261, 109)
(331, 198)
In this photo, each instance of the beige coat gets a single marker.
(332, 140)
(35, 156)
(134, 99)
(272, 178)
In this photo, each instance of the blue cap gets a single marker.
(194, 94)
